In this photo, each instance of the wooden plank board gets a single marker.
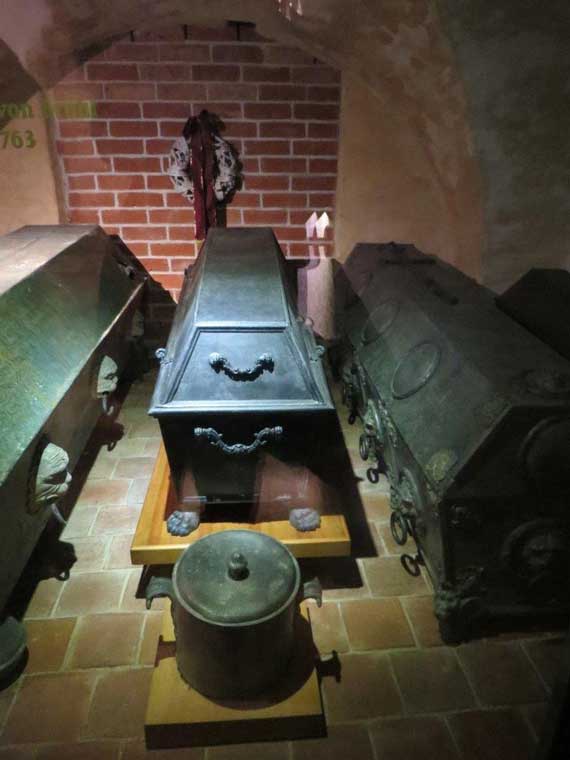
(178, 716)
(153, 545)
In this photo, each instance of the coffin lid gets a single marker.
(237, 304)
(61, 290)
(448, 364)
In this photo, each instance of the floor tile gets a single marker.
(102, 641)
(419, 610)
(548, 656)
(431, 680)
(262, 751)
(102, 468)
(90, 553)
(44, 598)
(341, 577)
(328, 628)
(152, 446)
(138, 751)
(80, 522)
(47, 643)
(119, 704)
(392, 548)
(148, 428)
(126, 447)
(149, 643)
(134, 412)
(109, 750)
(113, 520)
(7, 697)
(18, 753)
(366, 689)
(376, 624)
(91, 592)
(119, 555)
(500, 673)
(387, 577)
(491, 735)
(374, 528)
(137, 492)
(376, 505)
(425, 738)
(343, 742)
(58, 703)
(104, 492)
(130, 601)
(536, 715)
(134, 467)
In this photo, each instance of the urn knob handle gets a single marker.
(237, 567)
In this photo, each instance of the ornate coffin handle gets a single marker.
(260, 439)
(219, 363)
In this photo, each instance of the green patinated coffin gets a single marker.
(67, 300)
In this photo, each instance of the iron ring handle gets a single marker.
(260, 439)
(219, 363)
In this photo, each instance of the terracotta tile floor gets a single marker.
(402, 694)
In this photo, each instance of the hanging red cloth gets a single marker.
(200, 130)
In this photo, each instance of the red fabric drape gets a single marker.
(200, 130)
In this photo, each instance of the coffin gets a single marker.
(469, 416)
(67, 302)
(540, 302)
(241, 380)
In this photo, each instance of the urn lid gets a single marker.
(236, 577)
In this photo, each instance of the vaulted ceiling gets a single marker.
(484, 90)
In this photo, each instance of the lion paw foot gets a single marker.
(304, 519)
(182, 523)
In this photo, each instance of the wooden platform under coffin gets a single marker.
(153, 545)
(178, 716)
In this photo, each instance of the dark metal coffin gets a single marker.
(67, 303)
(469, 415)
(540, 301)
(241, 375)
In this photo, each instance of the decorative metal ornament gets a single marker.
(537, 553)
(219, 363)
(52, 477)
(440, 464)
(380, 320)
(107, 381)
(227, 171)
(108, 376)
(548, 382)
(260, 439)
(415, 369)
(545, 456)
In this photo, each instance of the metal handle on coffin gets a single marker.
(260, 439)
(219, 363)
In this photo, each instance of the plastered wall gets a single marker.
(28, 190)
(388, 190)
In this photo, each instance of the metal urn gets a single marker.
(235, 598)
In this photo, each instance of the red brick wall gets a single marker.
(280, 108)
